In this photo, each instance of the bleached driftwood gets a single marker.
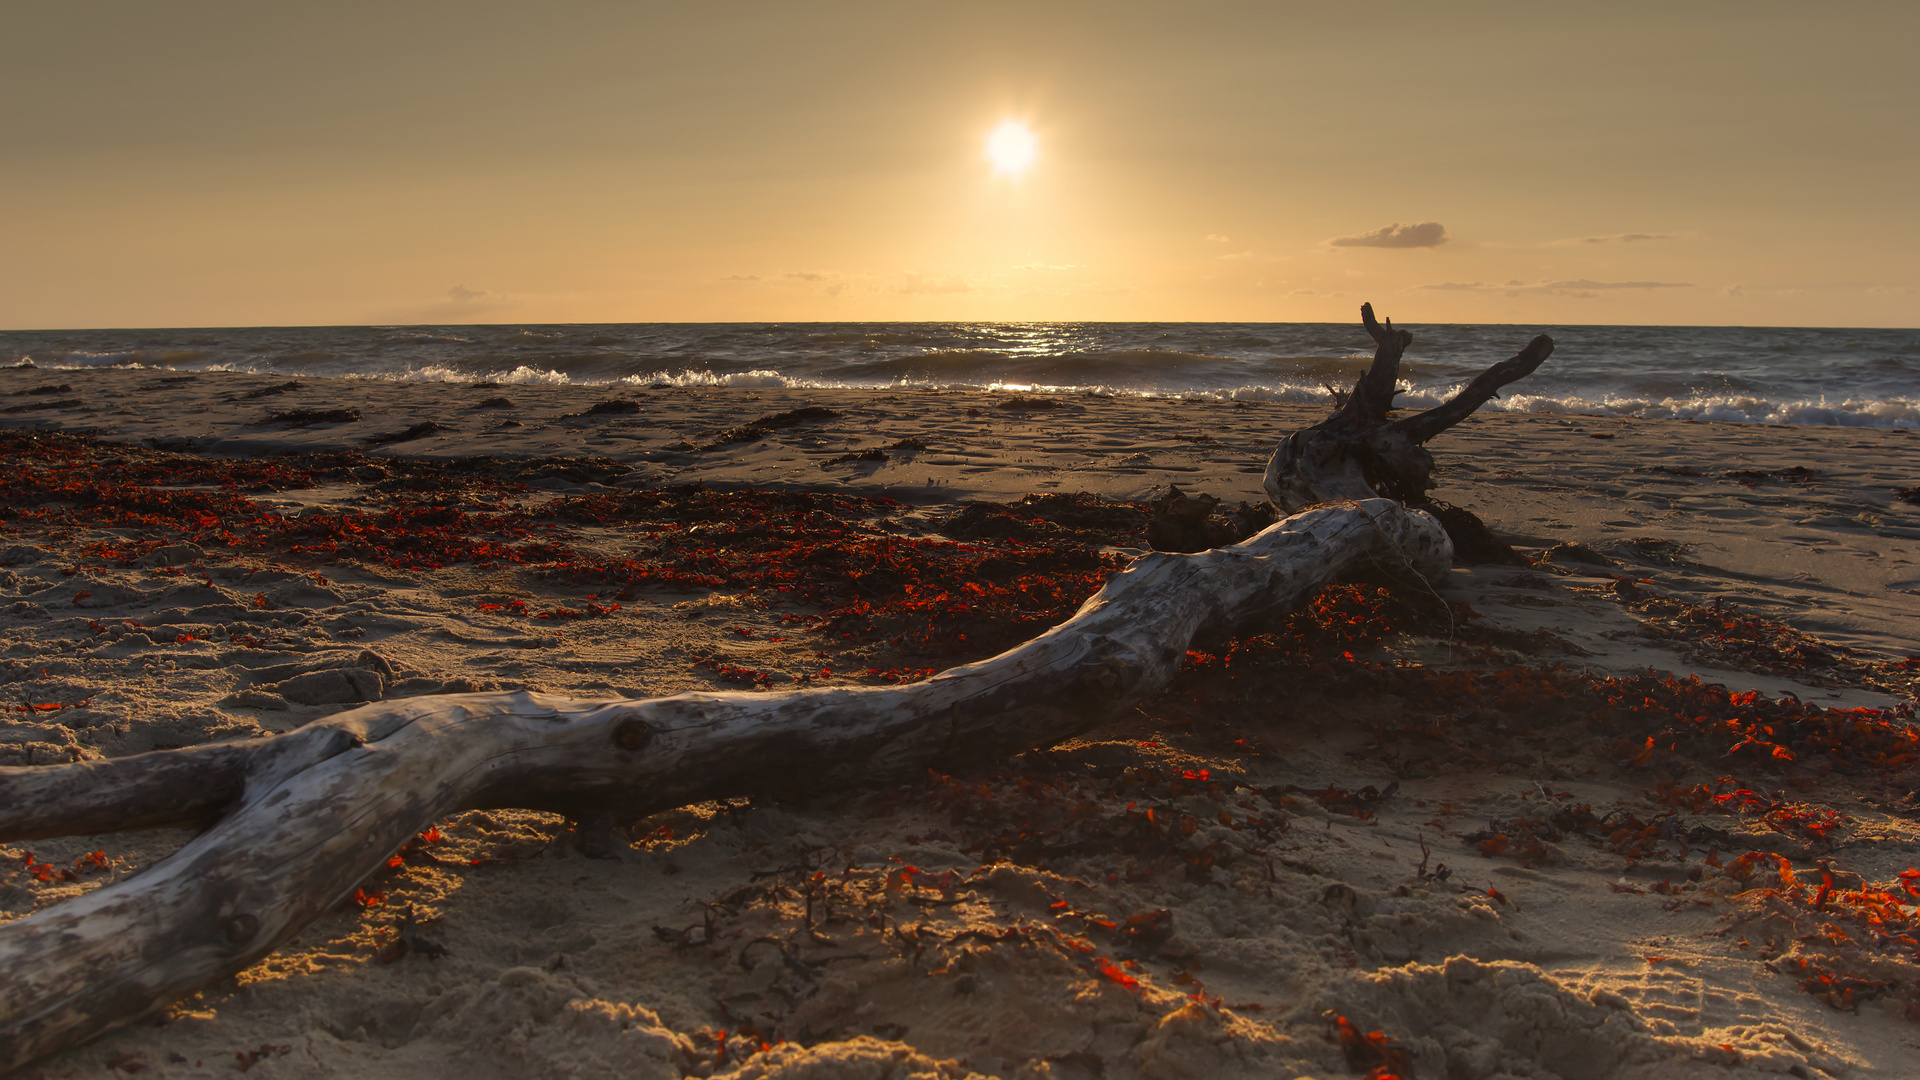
(1357, 453)
(298, 820)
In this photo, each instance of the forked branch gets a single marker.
(1358, 453)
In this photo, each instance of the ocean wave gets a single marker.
(1853, 412)
(760, 379)
(1749, 375)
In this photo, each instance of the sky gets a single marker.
(243, 164)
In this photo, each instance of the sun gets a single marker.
(1012, 147)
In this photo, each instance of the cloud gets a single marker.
(804, 275)
(1047, 266)
(1584, 288)
(1423, 234)
(741, 277)
(1236, 255)
(1217, 238)
(461, 305)
(1621, 238)
(1585, 283)
(1732, 291)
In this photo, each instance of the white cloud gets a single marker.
(1424, 234)
(1217, 238)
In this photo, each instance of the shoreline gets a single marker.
(1703, 509)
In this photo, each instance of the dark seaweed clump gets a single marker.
(754, 430)
(307, 417)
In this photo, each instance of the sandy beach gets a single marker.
(1403, 835)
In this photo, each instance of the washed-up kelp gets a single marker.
(840, 560)
(1722, 635)
(841, 553)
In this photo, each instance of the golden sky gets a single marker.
(200, 164)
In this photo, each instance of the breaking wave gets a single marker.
(1746, 375)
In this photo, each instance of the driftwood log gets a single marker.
(1359, 453)
(295, 822)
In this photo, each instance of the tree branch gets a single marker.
(321, 808)
(1419, 428)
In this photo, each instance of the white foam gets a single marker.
(1852, 412)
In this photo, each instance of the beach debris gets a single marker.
(1794, 474)
(1023, 403)
(266, 391)
(922, 596)
(1720, 634)
(1182, 522)
(609, 407)
(495, 403)
(1078, 516)
(418, 431)
(1572, 551)
(1473, 543)
(1380, 1057)
(1909, 495)
(41, 391)
(42, 406)
(873, 454)
(755, 430)
(244, 1060)
(407, 941)
(1668, 470)
(308, 417)
(1655, 549)
(912, 442)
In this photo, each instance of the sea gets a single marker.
(1810, 376)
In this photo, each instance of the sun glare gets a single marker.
(1012, 148)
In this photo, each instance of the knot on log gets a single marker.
(242, 928)
(1108, 679)
(632, 735)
